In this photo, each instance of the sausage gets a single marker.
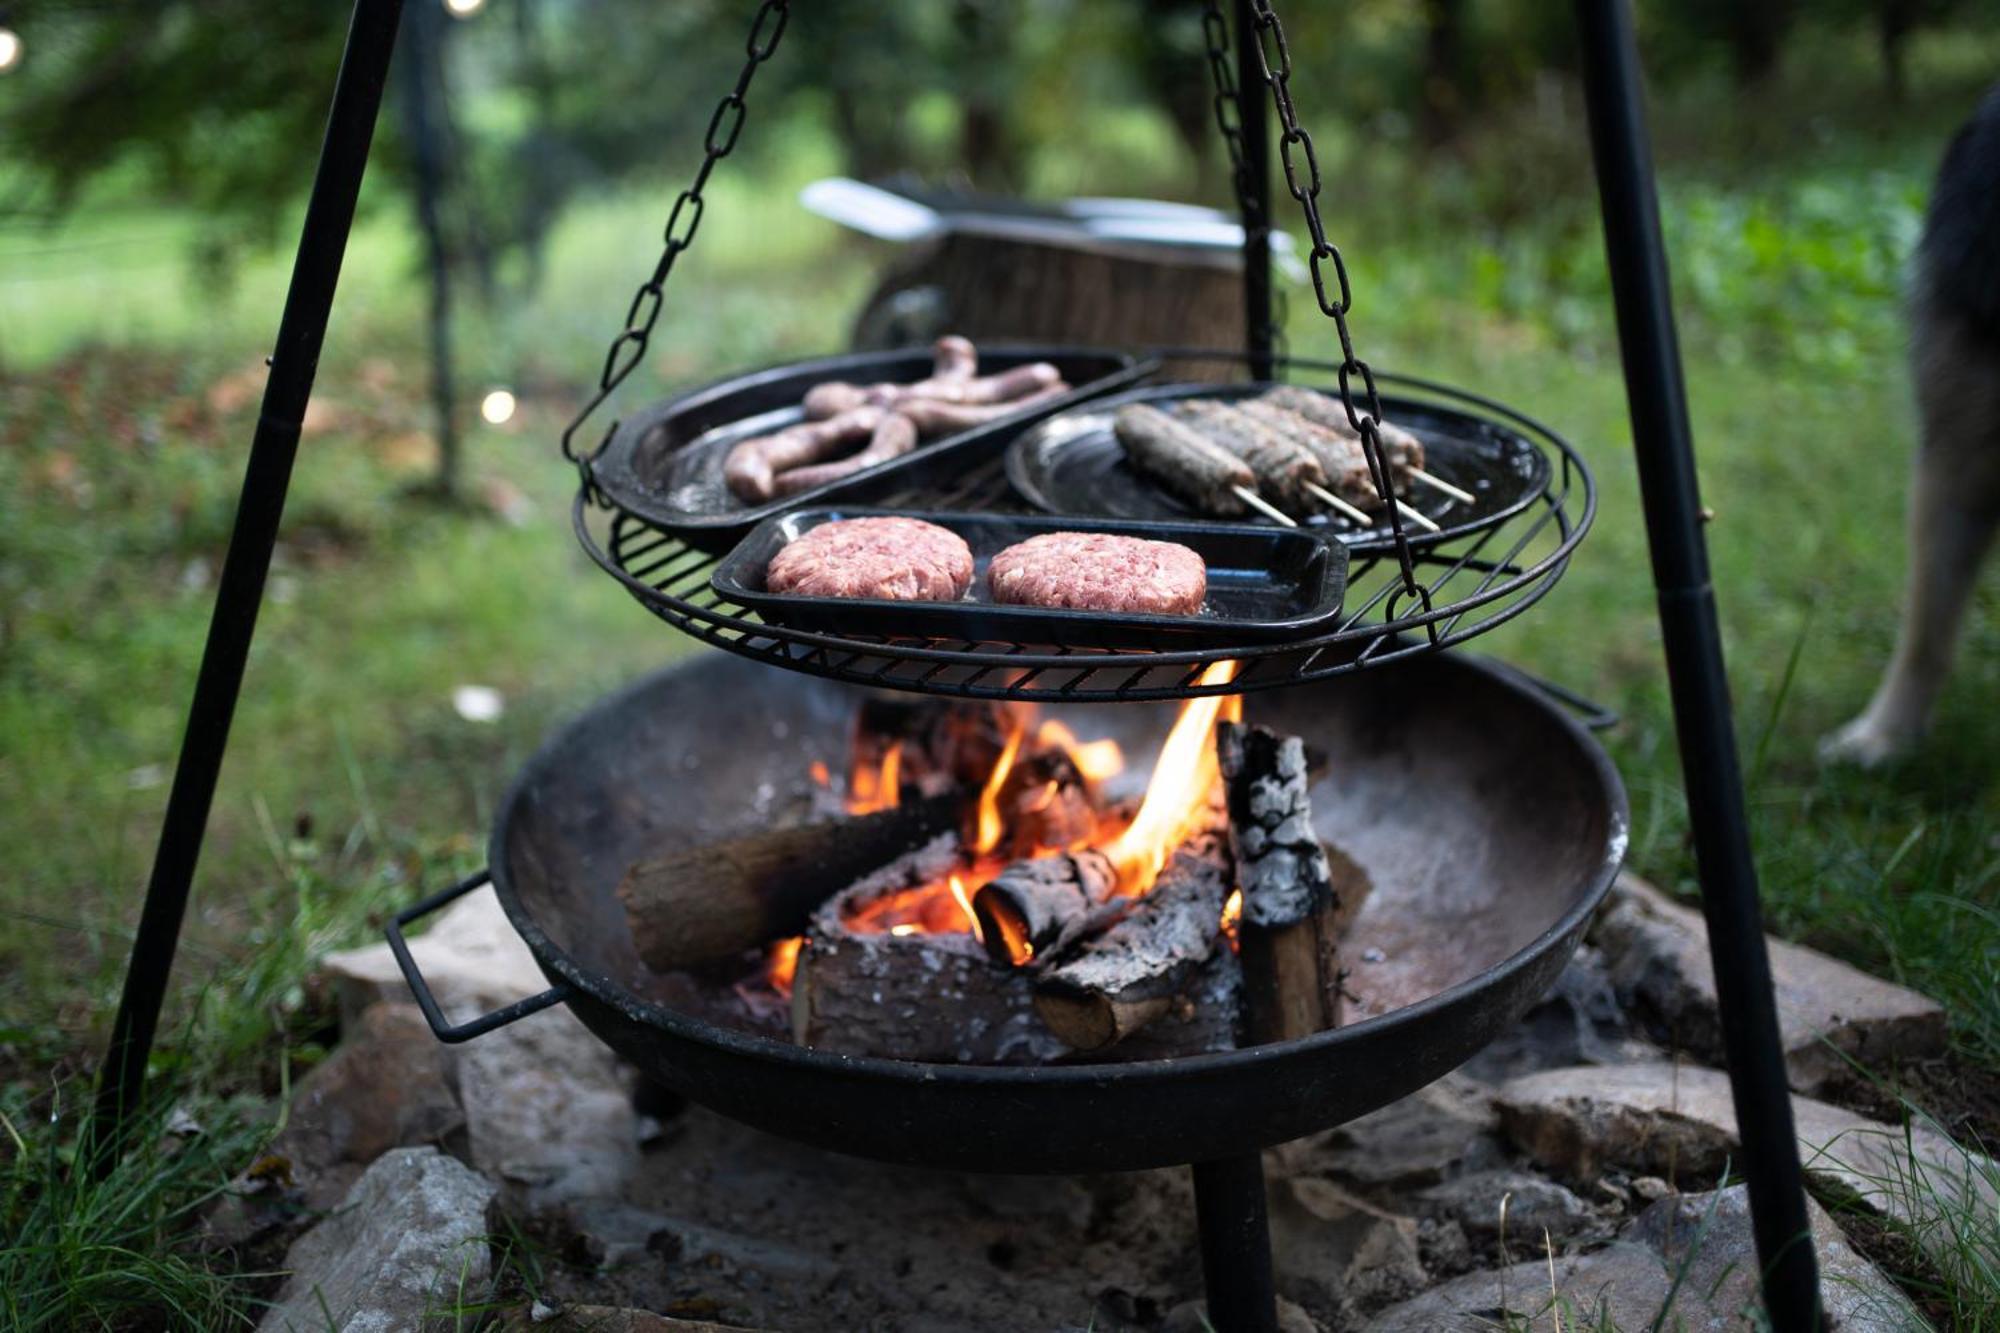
(934, 417)
(896, 436)
(752, 465)
(836, 396)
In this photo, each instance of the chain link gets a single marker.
(1331, 287)
(628, 349)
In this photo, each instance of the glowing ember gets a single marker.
(820, 776)
(1182, 777)
(1232, 915)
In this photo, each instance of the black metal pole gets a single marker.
(357, 96)
(1255, 192)
(1700, 688)
(1235, 1245)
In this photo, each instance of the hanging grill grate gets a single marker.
(1463, 588)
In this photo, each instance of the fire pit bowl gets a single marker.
(1490, 822)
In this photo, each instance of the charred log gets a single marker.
(1204, 1017)
(1129, 976)
(1293, 909)
(715, 901)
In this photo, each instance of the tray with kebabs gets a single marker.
(1279, 454)
(1009, 578)
(710, 464)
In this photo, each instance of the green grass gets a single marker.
(352, 786)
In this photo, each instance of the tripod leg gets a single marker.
(1235, 1245)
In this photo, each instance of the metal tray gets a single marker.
(1072, 464)
(664, 463)
(1264, 583)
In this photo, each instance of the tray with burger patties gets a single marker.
(986, 578)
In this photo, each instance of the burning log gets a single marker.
(716, 901)
(1130, 975)
(1031, 907)
(1294, 908)
(925, 995)
(1202, 1018)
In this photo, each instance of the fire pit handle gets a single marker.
(1593, 715)
(444, 1030)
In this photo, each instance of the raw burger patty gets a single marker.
(895, 559)
(1096, 571)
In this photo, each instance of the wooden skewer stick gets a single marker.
(1263, 506)
(1340, 506)
(1439, 484)
(1420, 519)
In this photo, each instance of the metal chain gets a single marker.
(1301, 163)
(1229, 120)
(629, 347)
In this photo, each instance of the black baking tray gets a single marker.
(1071, 463)
(1264, 584)
(664, 463)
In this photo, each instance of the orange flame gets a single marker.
(878, 789)
(1095, 760)
(820, 776)
(1179, 788)
(990, 827)
(784, 963)
(964, 901)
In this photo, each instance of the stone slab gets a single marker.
(406, 1247)
(1828, 1012)
(470, 957)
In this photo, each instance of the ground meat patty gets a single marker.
(895, 559)
(1097, 571)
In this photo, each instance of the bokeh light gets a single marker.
(497, 407)
(464, 9)
(10, 49)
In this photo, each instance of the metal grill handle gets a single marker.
(441, 1027)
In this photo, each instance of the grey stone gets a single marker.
(540, 1318)
(1436, 1131)
(1192, 1317)
(406, 1247)
(470, 957)
(1704, 1240)
(1828, 1012)
(1332, 1249)
(1534, 1207)
(1666, 1118)
(1581, 1021)
(548, 1108)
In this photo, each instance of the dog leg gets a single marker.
(1954, 507)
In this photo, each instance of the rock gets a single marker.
(388, 1085)
(1192, 1317)
(1334, 1250)
(1704, 1241)
(1534, 1207)
(470, 956)
(602, 1319)
(1828, 1012)
(1438, 1130)
(406, 1247)
(548, 1108)
(1579, 1022)
(1711, 1237)
(1664, 1118)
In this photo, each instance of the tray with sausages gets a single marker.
(1096, 583)
(711, 463)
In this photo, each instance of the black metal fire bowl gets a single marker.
(1491, 823)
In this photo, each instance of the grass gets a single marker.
(128, 394)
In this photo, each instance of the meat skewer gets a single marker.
(1189, 464)
(1284, 467)
(1352, 485)
(1400, 448)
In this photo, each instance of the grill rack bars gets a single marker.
(1465, 588)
